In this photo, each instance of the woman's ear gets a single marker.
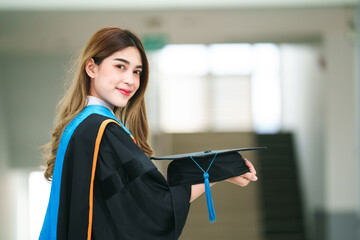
(90, 67)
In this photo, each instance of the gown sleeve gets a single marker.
(132, 200)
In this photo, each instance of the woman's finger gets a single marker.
(249, 176)
(239, 180)
(250, 166)
(243, 182)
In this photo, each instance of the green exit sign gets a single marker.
(154, 41)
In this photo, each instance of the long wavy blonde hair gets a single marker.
(102, 44)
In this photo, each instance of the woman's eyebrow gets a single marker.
(127, 62)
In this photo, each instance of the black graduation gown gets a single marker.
(131, 198)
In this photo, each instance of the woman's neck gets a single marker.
(91, 100)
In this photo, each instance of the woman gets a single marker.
(103, 184)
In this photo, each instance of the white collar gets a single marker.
(91, 100)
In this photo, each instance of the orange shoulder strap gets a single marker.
(96, 152)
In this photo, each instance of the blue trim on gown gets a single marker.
(49, 228)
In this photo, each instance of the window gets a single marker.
(219, 87)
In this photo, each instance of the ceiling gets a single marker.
(163, 4)
(60, 26)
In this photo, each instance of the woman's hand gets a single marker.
(244, 180)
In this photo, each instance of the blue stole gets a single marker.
(49, 228)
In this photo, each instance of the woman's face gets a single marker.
(116, 79)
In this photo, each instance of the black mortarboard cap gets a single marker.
(210, 166)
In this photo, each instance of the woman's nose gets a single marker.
(129, 78)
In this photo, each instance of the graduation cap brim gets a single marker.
(205, 153)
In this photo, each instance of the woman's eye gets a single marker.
(120, 66)
(138, 72)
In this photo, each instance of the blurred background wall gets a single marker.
(317, 49)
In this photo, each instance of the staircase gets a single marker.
(280, 197)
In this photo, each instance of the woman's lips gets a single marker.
(124, 91)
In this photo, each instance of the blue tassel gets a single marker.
(209, 201)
